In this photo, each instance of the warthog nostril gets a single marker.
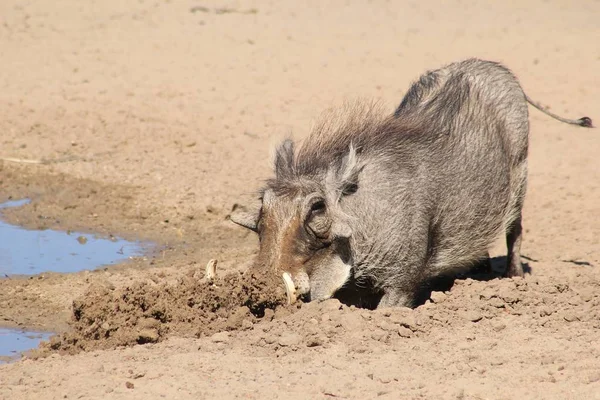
(305, 297)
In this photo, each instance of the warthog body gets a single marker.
(391, 202)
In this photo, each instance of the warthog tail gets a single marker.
(583, 121)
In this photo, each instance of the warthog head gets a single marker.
(301, 227)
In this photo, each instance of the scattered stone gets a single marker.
(498, 325)
(378, 335)
(269, 314)
(247, 324)
(508, 296)
(149, 323)
(473, 315)
(220, 337)
(570, 316)
(385, 377)
(550, 289)
(496, 302)
(575, 301)
(129, 385)
(438, 297)
(291, 339)
(331, 305)
(545, 311)
(386, 326)
(594, 377)
(587, 295)
(314, 341)
(270, 339)
(404, 332)
(488, 293)
(148, 336)
(407, 320)
(562, 287)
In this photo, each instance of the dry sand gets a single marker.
(151, 119)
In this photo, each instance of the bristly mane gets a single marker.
(363, 125)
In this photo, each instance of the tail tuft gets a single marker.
(585, 122)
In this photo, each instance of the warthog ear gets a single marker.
(344, 180)
(245, 216)
(284, 159)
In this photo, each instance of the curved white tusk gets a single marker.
(211, 270)
(290, 288)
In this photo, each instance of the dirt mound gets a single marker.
(149, 312)
(471, 306)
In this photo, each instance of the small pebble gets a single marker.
(291, 339)
(269, 314)
(378, 335)
(570, 316)
(545, 311)
(438, 297)
(488, 293)
(314, 341)
(473, 315)
(270, 339)
(404, 332)
(586, 295)
(148, 335)
(508, 296)
(406, 320)
(496, 302)
(247, 324)
(594, 377)
(220, 337)
(386, 326)
(498, 325)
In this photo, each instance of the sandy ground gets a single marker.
(151, 119)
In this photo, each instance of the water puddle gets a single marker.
(28, 252)
(14, 341)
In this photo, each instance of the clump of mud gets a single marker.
(147, 312)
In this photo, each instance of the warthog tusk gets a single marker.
(290, 288)
(211, 270)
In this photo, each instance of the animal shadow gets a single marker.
(363, 295)
(484, 271)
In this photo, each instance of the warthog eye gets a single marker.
(318, 207)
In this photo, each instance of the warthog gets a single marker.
(392, 201)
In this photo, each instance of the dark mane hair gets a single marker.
(362, 125)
